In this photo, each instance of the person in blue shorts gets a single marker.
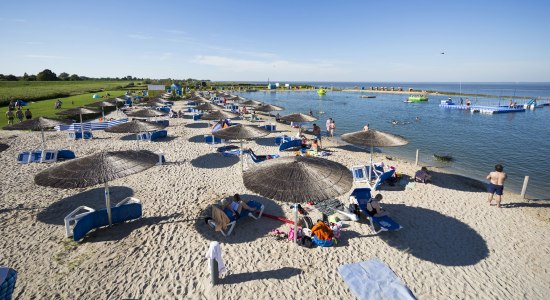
(496, 184)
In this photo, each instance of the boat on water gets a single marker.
(417, 98)
(321, 92)
(368, 96)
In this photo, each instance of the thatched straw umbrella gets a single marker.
(208, 106)
(96, 169)
(146, 113)
(102, 104)
(269, 108)
(298, 179)
(374, 138)
(252, 103)
(78, 111)
(299, 117)
(241, 132)
(219, 115)
(39, 123)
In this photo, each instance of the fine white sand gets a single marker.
(453, 244)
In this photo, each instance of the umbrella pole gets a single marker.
(370, 165)
(295, 223)
(242, 157)
(103, 113)
(81, 127)
(43, 139)
(108, 203)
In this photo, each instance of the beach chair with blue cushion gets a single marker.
(385, 223)
(163, 122)
(144, 136)
(197, 117)
(77, 135)
(290, 145)
(8, 277)
(269, 127)
(159, 134)
(210, 139)
(64, 154)
(383, 178)
(360, 173)
(83, 219)
(229, 150)
(233, 219)
(281, 139)
(24, 157)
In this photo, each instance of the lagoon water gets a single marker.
(519, 141)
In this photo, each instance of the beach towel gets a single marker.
(220, 218)
(372, 279)
(215, 252)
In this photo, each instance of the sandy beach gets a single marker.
(453, 244)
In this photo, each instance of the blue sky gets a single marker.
(487, 41)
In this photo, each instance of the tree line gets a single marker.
(48, 75)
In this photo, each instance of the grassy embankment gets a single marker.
(72, 94)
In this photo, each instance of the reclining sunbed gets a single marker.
(385, 223)
(230, 219)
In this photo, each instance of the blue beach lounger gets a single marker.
(210, 139)
(24, 157)
(8, 277)
(233, 219)
(159, 134)
(83, 219)
(372, 279)
(290, 145)
(385, 223)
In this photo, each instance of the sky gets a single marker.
(246, 40)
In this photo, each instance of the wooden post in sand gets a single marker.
(524, 188)
(416, 162)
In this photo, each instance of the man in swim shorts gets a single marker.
(496, 186)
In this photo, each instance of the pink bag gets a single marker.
(291, 233)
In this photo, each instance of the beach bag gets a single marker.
(336, 229)
(291, 234)
(306, 241)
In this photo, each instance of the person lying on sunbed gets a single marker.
(422, 175)
(373, 207)
(235, 206)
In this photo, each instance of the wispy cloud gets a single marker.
(175, 31)
(246, 65)
(139, 36)
(18, 20)
(41, 56)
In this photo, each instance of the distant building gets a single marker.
(271, 86)
(287, 86)
(155, 89)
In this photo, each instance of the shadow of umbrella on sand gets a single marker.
(298, 179)
(374, 138)
(96, 169)
(3, 147)
(39, 123)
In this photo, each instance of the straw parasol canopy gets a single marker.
(77, 111)
(269, 108)
(39, 123)
(298, 179)
(374, 138)
(102, 104)
(95, 169)
(299, 117)
(219, 114)
(152, 103)
(208, 106)
(252, 103)
(135, 126)
(146, 113)
(3, 147)
(241, 132)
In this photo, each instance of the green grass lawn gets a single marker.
(46, 108)
(39, 90)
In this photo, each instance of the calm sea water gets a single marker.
(519, 141)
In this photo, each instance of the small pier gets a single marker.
(483, 109)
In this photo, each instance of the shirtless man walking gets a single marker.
(496, 186)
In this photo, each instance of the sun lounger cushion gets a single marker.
(269, 127)
(372, 279)
(244, 212)
(159, 134)
(65, 154)
(163, 122)
(24, 157)
(290, 145)
(383, 178)
(210, 139)
(8, 277)
(197, 117)
(77, 135)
